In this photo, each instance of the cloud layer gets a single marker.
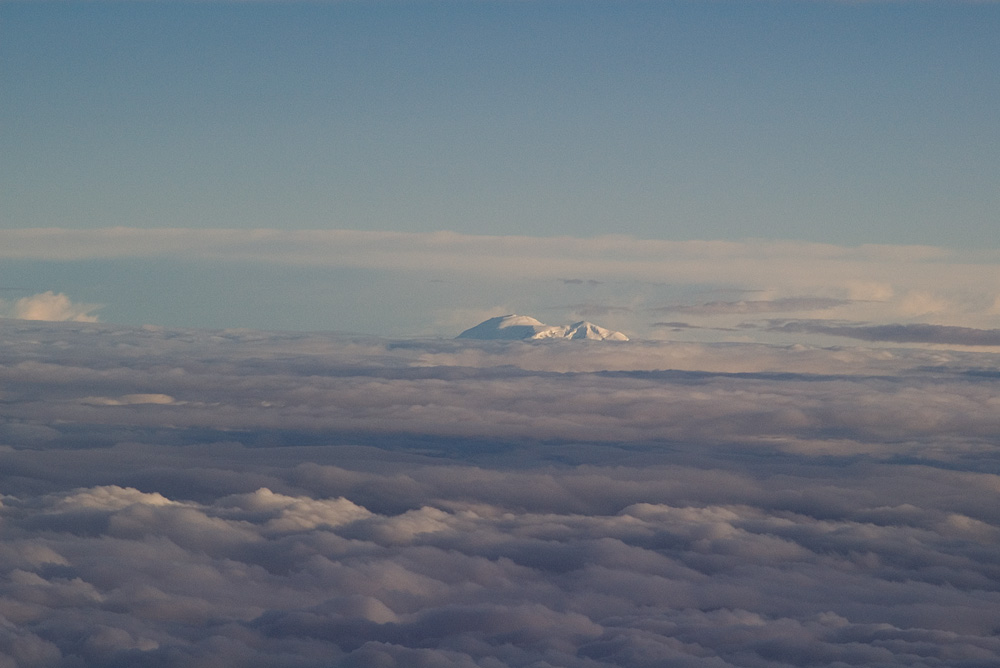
(432, 283)
(196, 498)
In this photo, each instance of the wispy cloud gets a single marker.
(555, 257)
(898, 333)
(875, 284)
(598, 310)
(674, 325)
(782, 305)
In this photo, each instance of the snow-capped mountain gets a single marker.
(526, 328)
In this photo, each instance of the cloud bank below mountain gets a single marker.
(192, 497)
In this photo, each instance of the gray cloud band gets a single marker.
(899, 333)
(784, 305)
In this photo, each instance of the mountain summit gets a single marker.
(526, 328)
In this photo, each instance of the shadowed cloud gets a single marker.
(189, 497)
(898, 333)
(784, 305)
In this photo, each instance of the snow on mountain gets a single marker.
(588, 330)
(525, 328)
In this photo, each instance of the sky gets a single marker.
(841, 124)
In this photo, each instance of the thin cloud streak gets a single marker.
(783, 305)
(876, 284)
(538, 256)
(899, 333)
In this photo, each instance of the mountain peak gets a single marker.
(525, 328)
(588, 330)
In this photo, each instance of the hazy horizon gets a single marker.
(410, 168)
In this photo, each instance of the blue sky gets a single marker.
(828, 122)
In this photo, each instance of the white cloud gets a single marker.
(922, 303)
(315, 500)
(52, 307)
(130, 399)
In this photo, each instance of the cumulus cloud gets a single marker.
(251, 498)
(52, 307)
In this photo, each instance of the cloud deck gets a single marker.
(195, 498)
